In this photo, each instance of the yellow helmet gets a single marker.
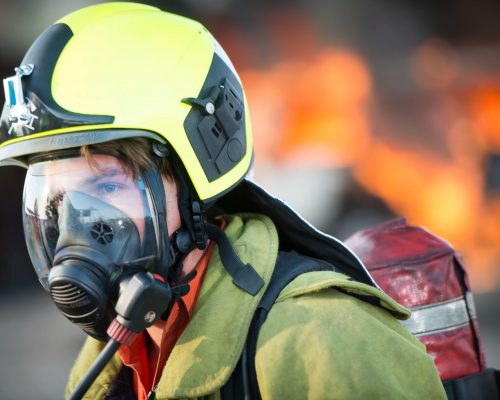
(119, 70)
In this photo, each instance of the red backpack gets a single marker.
(425, 274)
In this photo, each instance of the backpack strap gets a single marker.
(122, 387)
(242, 383)
(484, 385)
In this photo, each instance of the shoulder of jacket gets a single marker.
(322, 336)
(313, 282)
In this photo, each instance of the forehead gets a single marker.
(79, 167)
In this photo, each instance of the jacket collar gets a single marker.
(294, 231)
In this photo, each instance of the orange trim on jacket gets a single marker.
(149, 352)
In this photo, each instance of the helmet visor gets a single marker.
(71, 202)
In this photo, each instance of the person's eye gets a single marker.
(109, 188)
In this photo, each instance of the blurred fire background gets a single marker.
(362, 110)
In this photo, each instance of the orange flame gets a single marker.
(314, 111)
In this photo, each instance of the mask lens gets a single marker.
(68, 202)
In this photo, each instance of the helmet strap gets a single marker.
(244, 275)
(192, 232)
(195, 232)
(191, 213)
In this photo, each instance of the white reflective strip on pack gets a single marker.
(470, 304)
(437, 317)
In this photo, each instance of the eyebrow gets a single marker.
(107, 173)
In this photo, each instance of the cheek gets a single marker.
(173, 220)
(173, 214)
(130, 203)
(140, 225)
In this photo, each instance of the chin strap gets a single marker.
(244, 275)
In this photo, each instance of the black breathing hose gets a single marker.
(100, 362)
(142, 301)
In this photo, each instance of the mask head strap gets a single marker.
(152, 179)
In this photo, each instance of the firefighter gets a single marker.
(143, 227)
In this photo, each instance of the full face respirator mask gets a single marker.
(93, 232)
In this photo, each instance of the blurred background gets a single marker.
(362, 110)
